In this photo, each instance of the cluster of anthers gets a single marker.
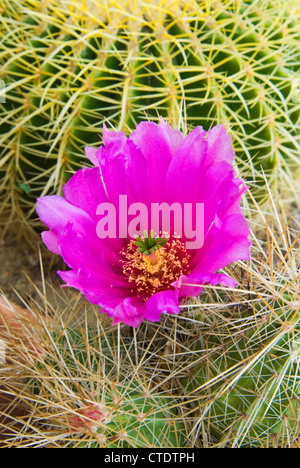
(152, 264)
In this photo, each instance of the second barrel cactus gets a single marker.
(70, 66)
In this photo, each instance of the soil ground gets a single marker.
(20, 269)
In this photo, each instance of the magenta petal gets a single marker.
(84, 252)
(112, 136)
(230, 204)
(164, 302)
(192, 285)
(188, 286)
(90, 153)
(175, 137)
(125, 172)
(212, 187)
(85, 190)
(157, 145)
(130, 311)
(184, 172)
(56, 212)
(50, 239)
(94, 289)
(226, 242)
(219, 146)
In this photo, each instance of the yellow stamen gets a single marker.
(155, 272)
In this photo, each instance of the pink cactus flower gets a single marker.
(97, 225)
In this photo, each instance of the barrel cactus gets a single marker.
(70, 66)
(84, 384)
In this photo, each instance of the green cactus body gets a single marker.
(123, 412)
(250, 384)
(68, 68)
(141, 419)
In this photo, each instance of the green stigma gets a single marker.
(149, 244)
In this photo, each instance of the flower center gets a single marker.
(155, 271)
